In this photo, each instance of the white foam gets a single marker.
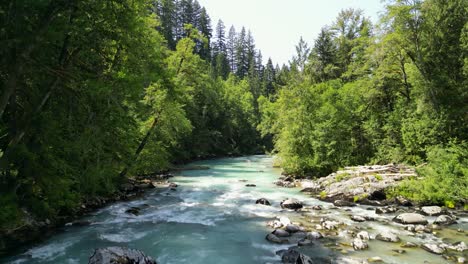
(50, 251)
(125, 236)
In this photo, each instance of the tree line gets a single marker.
(93, 92)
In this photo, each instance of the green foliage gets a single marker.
(445, 177)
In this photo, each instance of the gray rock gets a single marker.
(284, 221)
(281, 233)
(461, 260)
(444, 220)
(119, 255)
(342, 203)
(459, 246)
(293, 228)
(317, 207)
(387, 236)
(431, 210)
(292, 256)
(358, 218)
(272, 238)
(433, 248)
(408, 245)
(410, 219)
(364, 235)
(314, 235)
(330, 225)
(262, 201)
(359, 244)
(292, 204)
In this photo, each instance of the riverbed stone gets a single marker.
(411, 218)
(408, 245)
(343, 203)
(364, 235)
(433, 248)
(444, 220)
(119, 255)
(387, 236)
(293, 228)
(272, 238)
(284, 220)
(358, 218)
(263, 201)
(330, 225)
(292, 256)
(432, 210)
(359, 244)
(314, 235)
(281, 233)
(292, 204)
(459, 246)
(375, 260)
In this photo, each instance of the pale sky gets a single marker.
(277, 25)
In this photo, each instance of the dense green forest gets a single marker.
(96, 91)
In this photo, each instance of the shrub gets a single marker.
(444, 178)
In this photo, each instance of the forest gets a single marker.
(93, 92)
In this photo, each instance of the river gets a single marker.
(212, 218)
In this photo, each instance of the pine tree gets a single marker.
(231, 49)
(242, 54)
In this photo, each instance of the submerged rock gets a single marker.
(119, 255)
(291, 203)
(305, 242)
(410, 219)
(293, 228)
(385, 210)
(250, 185)
(262, 201)
(133, 210)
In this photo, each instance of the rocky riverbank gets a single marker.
(34, 230)
(387, 226)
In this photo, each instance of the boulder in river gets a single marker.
(281, 233)
(262, 201)
(293, 228)
(432, 210)
(291, 203)
(119, 255)
(305, 242)
(364, 235)
(358, 218)
(410, 219)
(433, 248)
(359, 244)
(444, 220)
(292, 256)
(387, 236)
(272, 238)
(314, 235)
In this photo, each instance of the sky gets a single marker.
(277, 25)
